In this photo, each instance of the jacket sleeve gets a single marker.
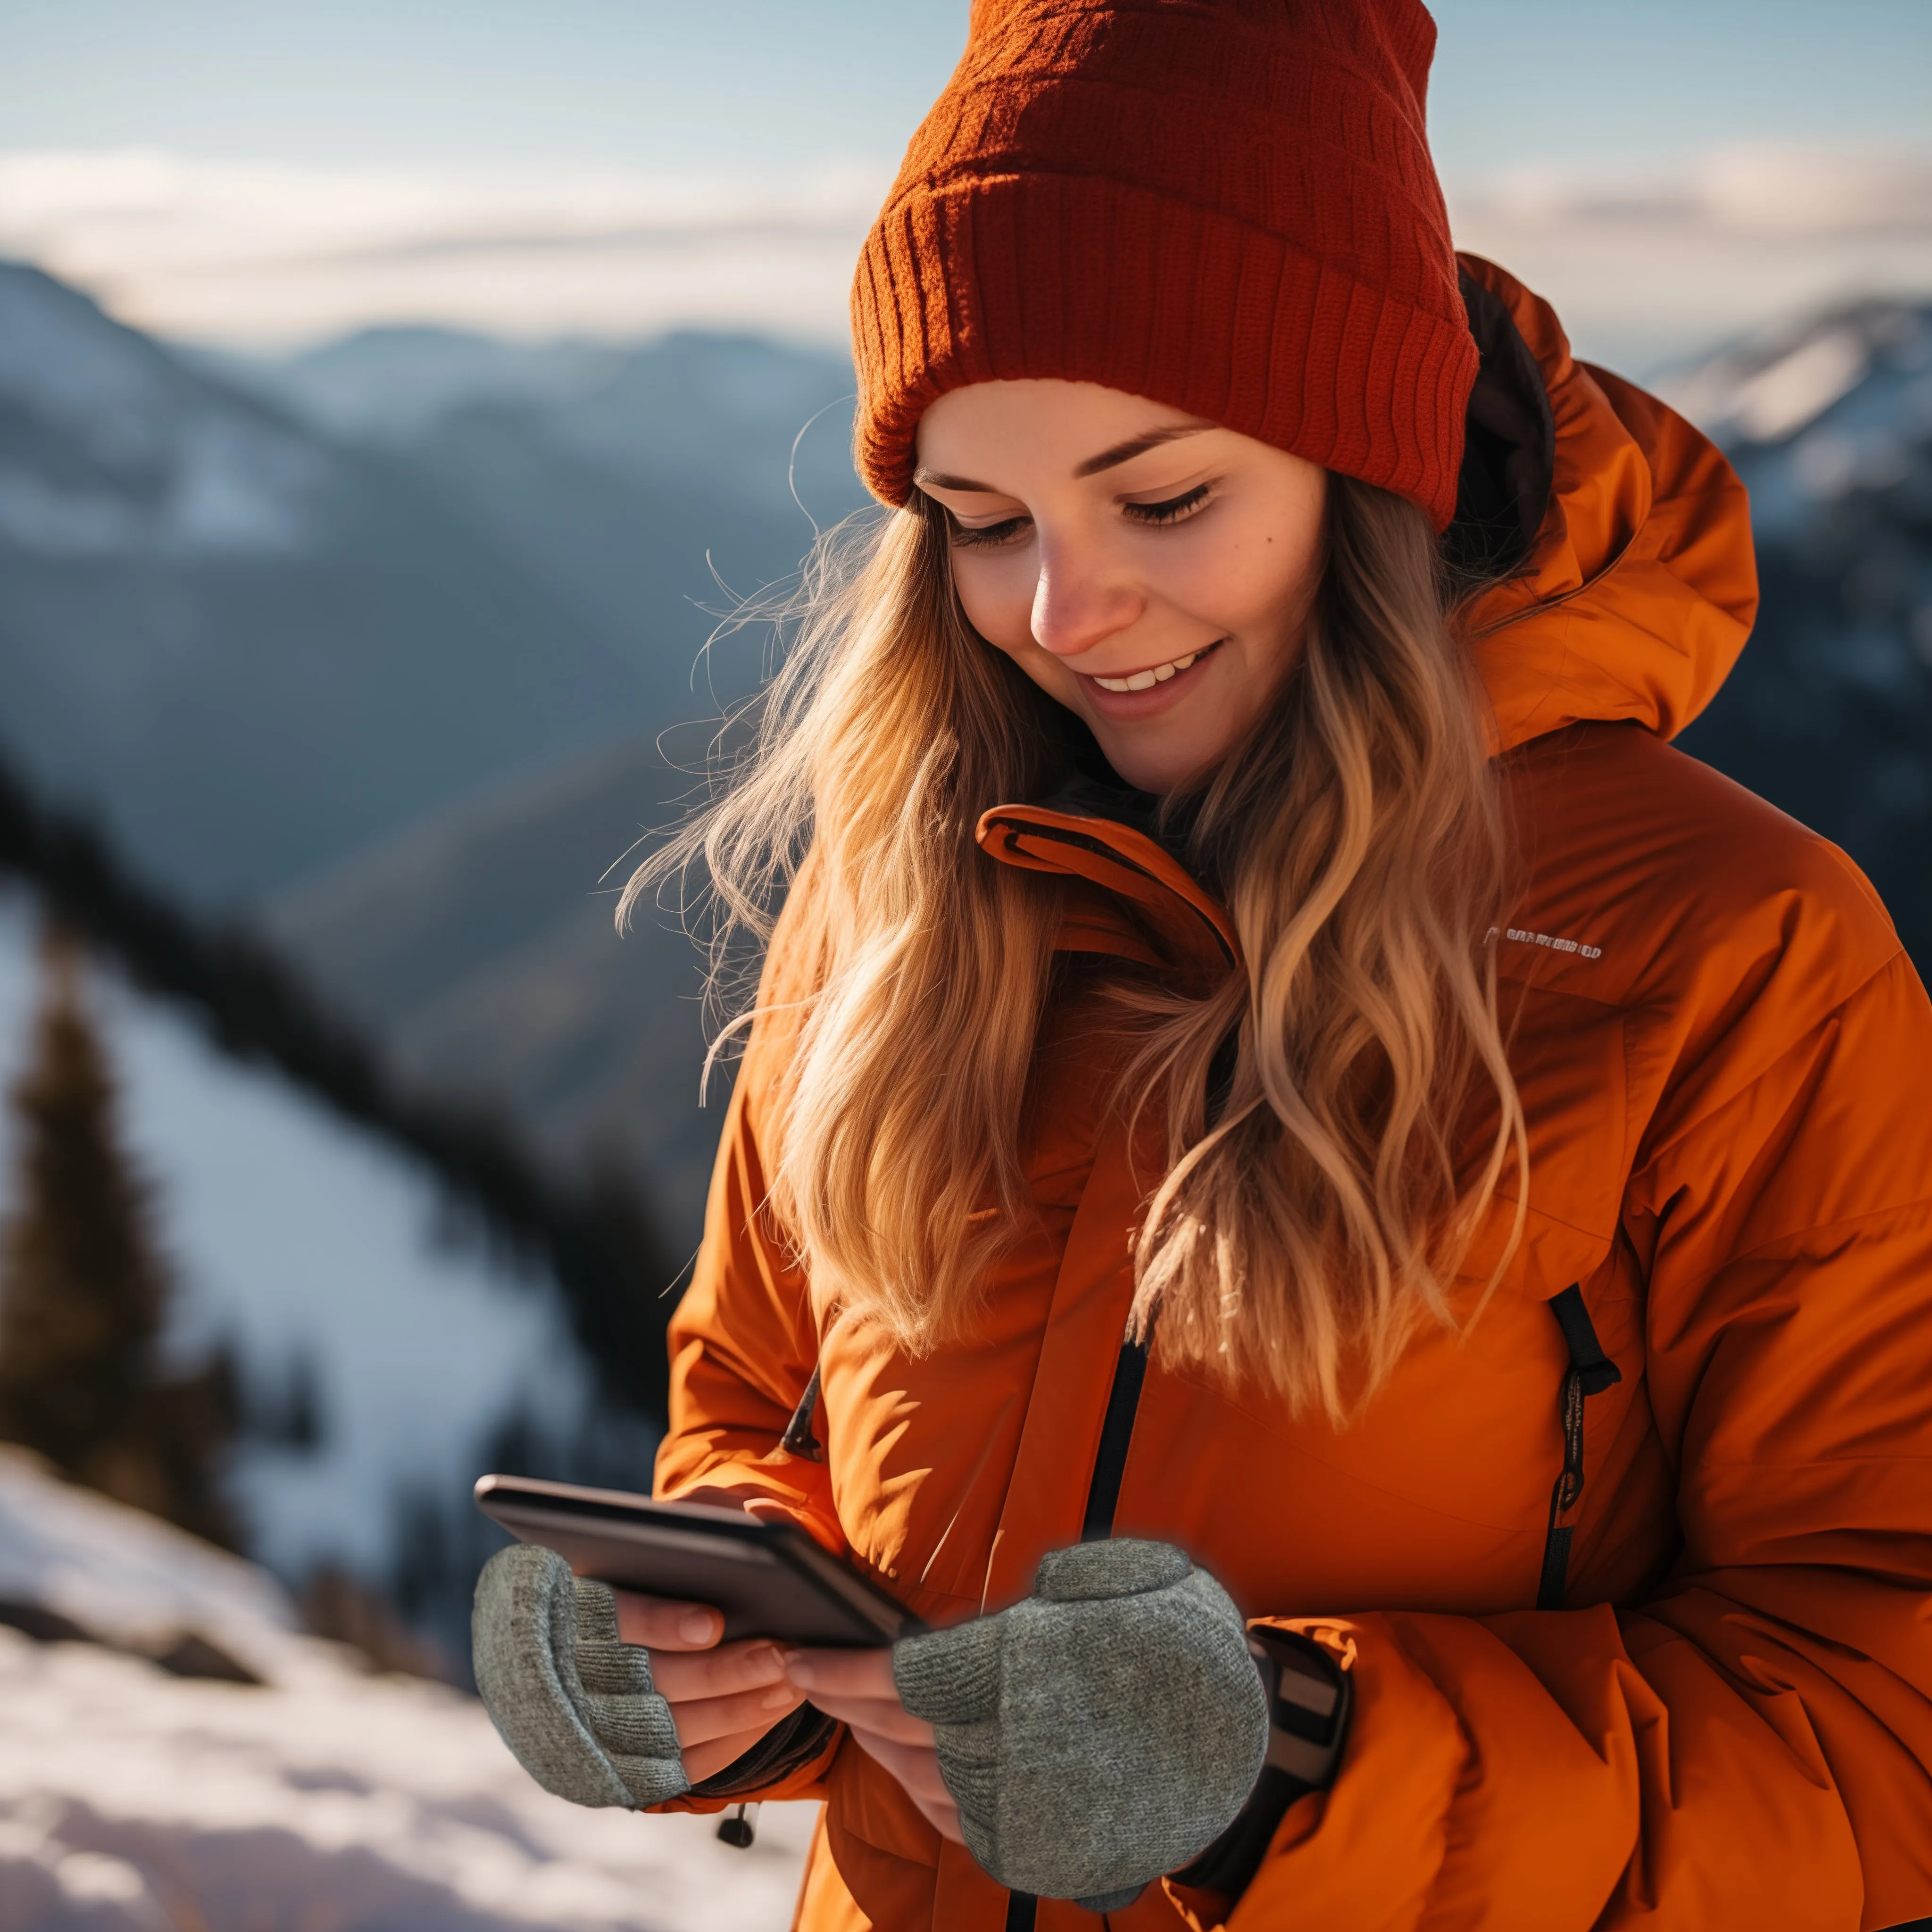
(1751, 1746)
(743, 1345)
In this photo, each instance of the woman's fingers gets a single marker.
(748, 1665)
(660, 1623)
(874, 1716)
(723, 1696)
(856, 1687)
(845, 1673)
(702, 1761)
(701, 1720)
(917, 1771)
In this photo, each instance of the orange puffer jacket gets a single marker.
(1726, 1061)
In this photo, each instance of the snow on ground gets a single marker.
(131, 1579)
(130, 1798)
(326, 1800)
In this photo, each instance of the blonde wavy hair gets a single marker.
(1356, 836)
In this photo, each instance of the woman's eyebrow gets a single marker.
(1138, 445)
(934, 479)
(1108, 459)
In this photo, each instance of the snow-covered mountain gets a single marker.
(257, 618)
(247, 649)
(1828, 713)
(737, 419)
(636, 484)
(265, 617)
(1816, 412)
(476, 941)
(134, 1798)
(253, 644)
(112, 449)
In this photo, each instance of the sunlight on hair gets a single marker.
(1357, 837)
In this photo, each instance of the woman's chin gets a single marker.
(1157, 767)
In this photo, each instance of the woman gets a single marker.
(1250, 903)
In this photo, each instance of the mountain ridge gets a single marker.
(249, 645)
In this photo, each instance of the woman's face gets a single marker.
(1151, 571)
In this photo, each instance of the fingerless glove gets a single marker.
(575, 1704)
(1102, 1732)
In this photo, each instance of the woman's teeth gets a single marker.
(1146, 680)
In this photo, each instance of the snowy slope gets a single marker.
(132, 1580)
(130, 1798)
(298, 1240)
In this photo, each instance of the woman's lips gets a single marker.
(1156, 698)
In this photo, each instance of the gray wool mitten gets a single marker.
(1105, 1731)
(575, 1705)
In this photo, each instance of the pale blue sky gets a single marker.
(713, 84)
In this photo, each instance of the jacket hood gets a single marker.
(1639, 587)
(1631, 585)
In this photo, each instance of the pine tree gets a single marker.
(85, 1291)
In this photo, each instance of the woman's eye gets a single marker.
(1171, 511)
(966, 537)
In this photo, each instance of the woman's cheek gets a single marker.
(1240, 579)
(1260, 596)
(998, 604)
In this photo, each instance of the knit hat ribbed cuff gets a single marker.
(1092, 280)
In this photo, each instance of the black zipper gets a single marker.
(1103, 1494)
(1117, 1433)
(1590, 1372)
(1123, 1399)
(1117, 1426)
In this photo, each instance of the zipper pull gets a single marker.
(736, 1827)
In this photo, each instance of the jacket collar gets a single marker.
(1173, 923)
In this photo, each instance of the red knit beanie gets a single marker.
(1226, 206)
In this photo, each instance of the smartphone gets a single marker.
(769, 1580)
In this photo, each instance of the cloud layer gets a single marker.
(1643, 264)
(271, 255)
(1646, 266)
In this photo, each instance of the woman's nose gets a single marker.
(1078, 602)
